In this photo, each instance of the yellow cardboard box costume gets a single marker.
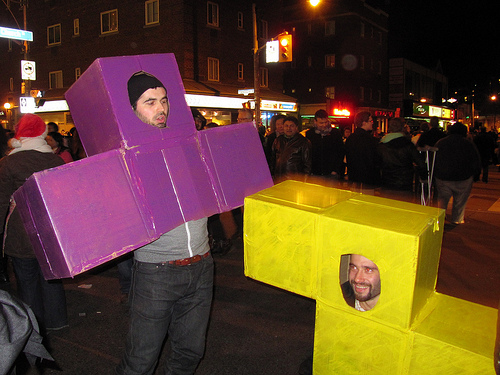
(296, 235)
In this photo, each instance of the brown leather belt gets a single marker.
(188, 261)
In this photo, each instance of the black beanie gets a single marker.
(140, 82)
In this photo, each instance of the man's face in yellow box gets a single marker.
(364, 278)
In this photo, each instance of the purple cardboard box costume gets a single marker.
(138, 181)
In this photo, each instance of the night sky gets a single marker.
(463, 36)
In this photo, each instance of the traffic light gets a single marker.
(285, 45)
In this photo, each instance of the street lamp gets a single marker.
(314, 2)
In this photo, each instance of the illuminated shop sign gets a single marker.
(202, 101)
(341, 112)
(426, 110)
(379, 113)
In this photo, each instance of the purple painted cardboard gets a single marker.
(141, 181)
(75, 222)
(101, 109)
(237, 162)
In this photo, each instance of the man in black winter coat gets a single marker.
(457, 161)
(291, 152)
(399, 158)
(361, 152)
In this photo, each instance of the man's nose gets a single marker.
(358, 277)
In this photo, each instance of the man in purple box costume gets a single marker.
(172, 280)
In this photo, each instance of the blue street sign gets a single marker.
(18, 34)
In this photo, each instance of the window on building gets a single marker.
(78, 73)
(309, 61)
(379, 96)
(362, 94)
(329, 28)
(56, 79)
(362, 30)
(213, 69)
(109, 21)
(9, 45)
(330, 92)
(379, 69)
(362, 62)
(11, 84)
(240, 72)
(212, 14)
(329, 61)
(309, 29)
(240, 20)
(54, 34)
(264, 77)
(76, 27)
(152, 12)
(263, 30)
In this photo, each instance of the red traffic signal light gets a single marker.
(285, 45)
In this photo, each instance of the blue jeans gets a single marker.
(168, 299)
(47, 299)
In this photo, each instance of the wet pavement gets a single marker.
(256, 328)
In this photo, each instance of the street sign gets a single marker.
(18, 34)
(28, 70)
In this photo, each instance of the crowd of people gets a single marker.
(395, 163)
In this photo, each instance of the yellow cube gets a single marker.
(299, 237)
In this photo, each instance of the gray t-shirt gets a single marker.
(185, 241)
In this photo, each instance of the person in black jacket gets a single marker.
(431, 136)
(399, 158)
(327, 147)
(457, 161)
(486, 147)
(30, 154)
(361, 152)
(291, 152)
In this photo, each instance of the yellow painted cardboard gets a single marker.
(295, 237)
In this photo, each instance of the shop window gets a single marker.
(76, 27)
(56, 79)
(54, 35)
(213, 69)
(329, 61)
(109, 21)
(359, 281)
(240, 20)
(152, 11)
(240, 72)
(212, 14)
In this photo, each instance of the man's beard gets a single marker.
(153, 121)
(372, 293)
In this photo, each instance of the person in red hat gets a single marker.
(30, 153)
